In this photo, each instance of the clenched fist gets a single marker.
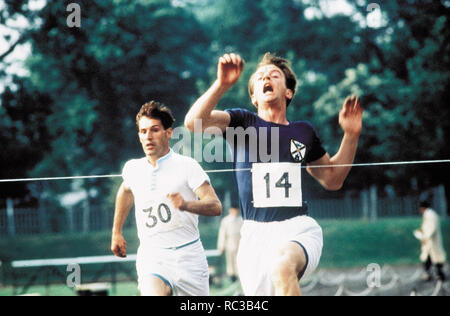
(177, 200)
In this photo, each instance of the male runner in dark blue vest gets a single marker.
(279, 242)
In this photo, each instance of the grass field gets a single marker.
(353, 243)
(347, 243)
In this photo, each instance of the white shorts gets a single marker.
(184, 269)
(260, 244)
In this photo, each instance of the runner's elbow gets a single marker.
(334, 188)
(189, 124)
(196, 124)
(217, 209)
(331, 180)
(333, 185)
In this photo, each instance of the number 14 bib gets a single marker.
(277, 184)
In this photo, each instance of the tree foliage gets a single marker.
(24, 134)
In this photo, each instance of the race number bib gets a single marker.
(160, 217)
(277, 184)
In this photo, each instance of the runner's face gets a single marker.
(269, 85)
(153, 137)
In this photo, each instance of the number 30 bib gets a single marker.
(277, 184)
(160, 216)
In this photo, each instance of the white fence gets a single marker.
(38, 221)
(85, 218)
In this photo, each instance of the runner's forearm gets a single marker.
(344, 156)
(206, 207)
(124, 202)
(329, 171)
(203, 107)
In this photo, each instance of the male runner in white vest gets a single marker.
(169, 191)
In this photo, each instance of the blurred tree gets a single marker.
(24, 135)
(124, 54)
(328, 44)
(405, 89)
(97, 76)
(234, 26)
(12, 11)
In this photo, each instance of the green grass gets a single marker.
(347, 243)
(353, 243)
(61, 245)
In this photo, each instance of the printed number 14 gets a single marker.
(283, 182)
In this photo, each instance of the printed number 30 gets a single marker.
(283, 182)
(163, 218)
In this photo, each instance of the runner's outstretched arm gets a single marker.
(229, 70)
(350, 119)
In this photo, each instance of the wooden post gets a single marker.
(440, 202)
(10, 216)
(43, 227)
(348, 211)
(365, 204)
(86, 213)
(70, 219)
(373, 203)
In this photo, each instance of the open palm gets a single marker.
(350, 117)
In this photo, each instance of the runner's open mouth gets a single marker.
(267, 88)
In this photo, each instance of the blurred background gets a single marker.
(69, 94)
